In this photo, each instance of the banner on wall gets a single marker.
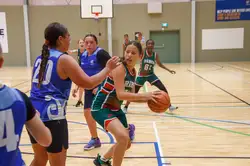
(232, 10)
(3, 33)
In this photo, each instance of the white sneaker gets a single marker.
(172, 108)
(125, 110)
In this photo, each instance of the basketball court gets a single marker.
(211, 126)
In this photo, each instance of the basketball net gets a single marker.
(96, 16)
(97, 21)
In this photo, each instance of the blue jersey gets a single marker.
(89, 64)
(51, 98)
(12, 119)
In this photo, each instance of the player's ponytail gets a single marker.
(51, 35)
(44, 57)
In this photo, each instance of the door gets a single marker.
(167, 45)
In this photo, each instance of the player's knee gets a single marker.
(123, 138)
(87, 112)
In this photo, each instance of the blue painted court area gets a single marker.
(111, 141)
(155, 144)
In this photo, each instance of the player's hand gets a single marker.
(94, 91)
(172, 71)
(113, 63)
(156, 95)
(74, 92)
(153, 95)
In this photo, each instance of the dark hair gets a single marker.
(126, 35)
(137, 44)
(51, 34)
(93, 36)
(149, 41)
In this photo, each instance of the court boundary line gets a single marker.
(155, 157)
(234, 67)
(209, 102)
(228, 121)
(14, 86)
(218, 106)
(207, 125)
(157, 152)
(212, 126)
(198, 105)
(158, 144)
(187, 117)
(111, 138)
(219, 87)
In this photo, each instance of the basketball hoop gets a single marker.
(96, 16)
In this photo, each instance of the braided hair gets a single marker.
(51, 35)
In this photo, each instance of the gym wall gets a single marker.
(128, 18)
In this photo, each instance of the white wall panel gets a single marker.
(228, 38)
(11, 2)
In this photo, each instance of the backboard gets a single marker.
(89, 8)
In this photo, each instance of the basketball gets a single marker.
(163, 103)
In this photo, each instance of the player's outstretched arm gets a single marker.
(162, 66)
(71, 69)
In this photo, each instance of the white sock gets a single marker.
(104, 159)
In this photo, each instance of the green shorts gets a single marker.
(104, 116)
(140, 80)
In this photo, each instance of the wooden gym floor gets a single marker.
(211, 126)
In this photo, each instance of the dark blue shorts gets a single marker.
(88, 98)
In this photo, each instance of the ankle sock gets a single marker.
(104, 159)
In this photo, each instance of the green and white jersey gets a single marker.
(106, 96)
(147, 64)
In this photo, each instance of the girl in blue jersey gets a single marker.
(106, 107)
(16, 111)
(52, 77)
(92, 61)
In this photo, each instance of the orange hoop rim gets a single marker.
(96, 14)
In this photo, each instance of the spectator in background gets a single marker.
(125, 43)
(141, 39)
(79, 52)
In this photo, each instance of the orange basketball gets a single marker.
(163, 103)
